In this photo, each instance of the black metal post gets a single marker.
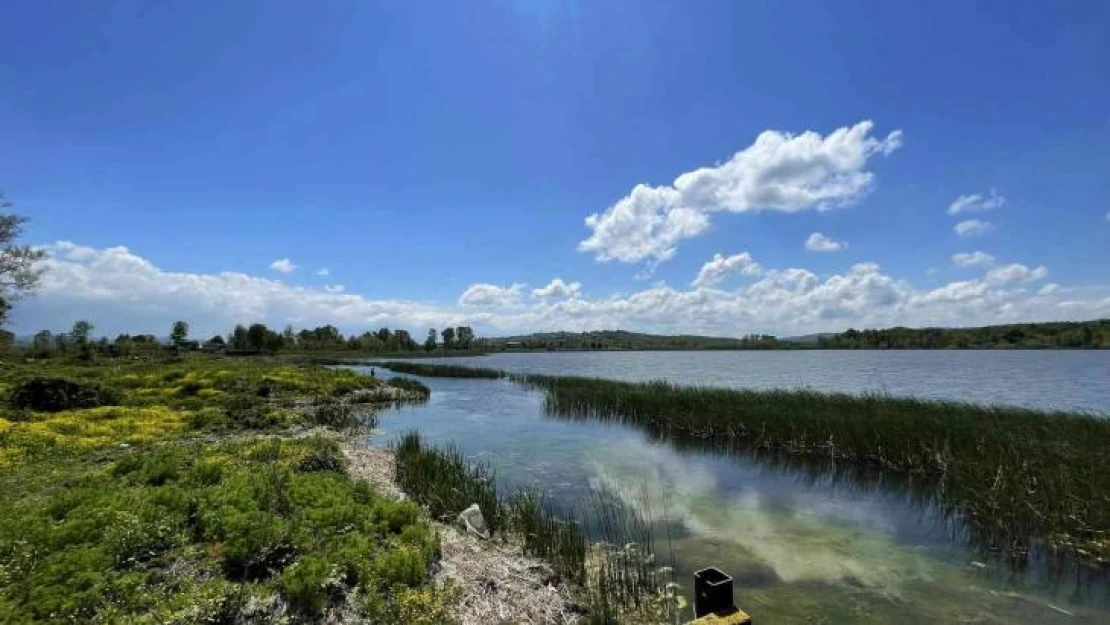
(712, 592)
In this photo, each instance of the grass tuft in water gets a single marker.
(415, 387)
(441, 371)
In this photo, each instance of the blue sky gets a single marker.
(420, 149)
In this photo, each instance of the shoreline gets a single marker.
(495, 581)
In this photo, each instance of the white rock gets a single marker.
(473, 520)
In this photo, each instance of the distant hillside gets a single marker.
(620, 339)
(808, 338)
(1093, 334)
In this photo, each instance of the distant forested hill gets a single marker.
(1069, 334)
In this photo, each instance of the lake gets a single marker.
(1056, 379)
(803, 544)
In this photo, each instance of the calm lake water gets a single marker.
(1063, 379)
(802, 545)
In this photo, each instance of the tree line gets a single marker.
(1056, 334)
(253, 338)
(258, 337)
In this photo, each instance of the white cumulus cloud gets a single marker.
(720, 267)
(780, 171)
(283, 265)
(1015, 272)
(976, 203)
(120, 291)
(558, 288)
(323, 271)
(972, 228)
(334, 288)
(971, 259)
(818, 242)
(490, 295)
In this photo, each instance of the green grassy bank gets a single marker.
(171, 491)
(1023, 482)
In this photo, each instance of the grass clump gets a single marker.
(444, 482)
(546, 535)
(441, 371)
(415, 387)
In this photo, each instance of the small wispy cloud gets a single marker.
(283, 265)
(976, 202)
(972, 228)
(323, 271)
(818, 242)
(334, 288)
(971, 259)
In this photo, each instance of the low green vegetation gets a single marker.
(1024, 483)
(171, 491)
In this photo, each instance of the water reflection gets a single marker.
(804, 541)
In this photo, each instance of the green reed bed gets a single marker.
(1022, 479)
(444, 482)
(440, 371)
(1024, 482)
(600, 545)
(416, 387)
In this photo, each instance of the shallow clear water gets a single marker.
(1057, 379)
(802, 546)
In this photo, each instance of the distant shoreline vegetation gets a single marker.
(327, 344)
(1025, 483)
(1093, 334)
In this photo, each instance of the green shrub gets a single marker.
(207, 417)
(57, 394)
(334, 413)
(305, 585)
(323, 455)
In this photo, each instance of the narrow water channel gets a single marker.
(802, 544)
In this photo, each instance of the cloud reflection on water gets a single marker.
(801, 535)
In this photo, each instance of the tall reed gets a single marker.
(1024, 482)
(444, 482)
(600, 545)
